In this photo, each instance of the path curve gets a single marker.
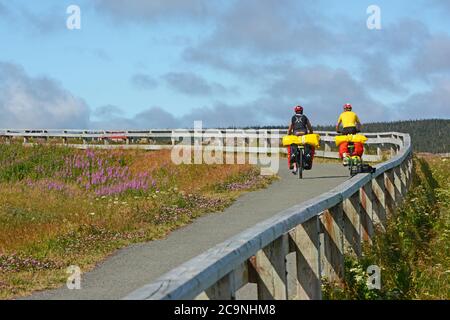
(132, 267)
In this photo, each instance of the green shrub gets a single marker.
(414, 252)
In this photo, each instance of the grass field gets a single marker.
(62, 207)
(414, 252)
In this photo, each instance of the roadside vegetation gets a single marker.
(414, 252)
(62, 207)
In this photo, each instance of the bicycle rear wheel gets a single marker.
(350, 166)
(353, 168)
(300, 163)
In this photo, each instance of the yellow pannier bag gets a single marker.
(311, 139)
(350, 138)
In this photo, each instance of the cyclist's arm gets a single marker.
(358, 124)
(338, 124)
(310, 129)
(290, 129)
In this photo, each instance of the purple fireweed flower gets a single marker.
(103, 174)
(90, 153)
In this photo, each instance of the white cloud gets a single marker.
(37, 102)
(192, 84)
(434, 55)
(433, 103)
(324, 90)
(151, 118)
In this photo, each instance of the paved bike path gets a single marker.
(132, 267)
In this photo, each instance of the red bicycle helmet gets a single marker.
(298, 109)
(347, 107)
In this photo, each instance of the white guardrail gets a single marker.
(317, 232)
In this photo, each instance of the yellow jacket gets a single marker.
(348, 119)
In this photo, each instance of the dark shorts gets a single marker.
(349, 130)
(300, 133)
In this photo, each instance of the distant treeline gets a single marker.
(431, 135)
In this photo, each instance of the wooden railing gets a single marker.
(167, 138)
(317, 232)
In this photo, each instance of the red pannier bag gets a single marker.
(289, 156)
(313, 152)
(358, 151)
(343, 148)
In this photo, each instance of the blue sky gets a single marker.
(155, 63)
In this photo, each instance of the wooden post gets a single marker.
(352, 225)
(405, 174)
(333, 242)
(172, 139)
(403, 177)
(270, 266)
(221, 290)
(366, 199)
(379, 203)
(306, 240)
(408, 172)
(379, 152)
(393, 150)
(398, 185)
(390, 194)
(402, 139)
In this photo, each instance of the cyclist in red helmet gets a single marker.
(350, 125)
(299, 126)
(349, 120)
